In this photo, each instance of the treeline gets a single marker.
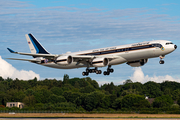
(85, 94)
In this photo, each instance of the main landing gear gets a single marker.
(109, 70)
(86, 73)
(95, 70)
(161, 61)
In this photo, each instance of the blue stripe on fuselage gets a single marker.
(124, 49)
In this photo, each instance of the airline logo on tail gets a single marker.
(35, 47)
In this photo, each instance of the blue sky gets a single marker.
(69, 25)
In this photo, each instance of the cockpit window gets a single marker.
(169, 43)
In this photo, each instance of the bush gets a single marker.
(175, 106)
(163, 101)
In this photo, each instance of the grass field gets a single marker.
(73, 115)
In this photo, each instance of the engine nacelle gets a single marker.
(137, 63)
(100, 62)
(64, 60)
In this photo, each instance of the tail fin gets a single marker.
(34, 45)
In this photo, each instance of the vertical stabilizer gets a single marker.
(34, 45)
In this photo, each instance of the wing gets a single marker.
(88, 58)
(77, 58)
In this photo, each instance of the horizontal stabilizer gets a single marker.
(34, 54)
(30, 60)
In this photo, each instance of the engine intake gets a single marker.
(100, 62)
(137, 63)
(64, 60)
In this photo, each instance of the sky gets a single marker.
(77, 25)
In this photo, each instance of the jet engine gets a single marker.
(137, 63)
(100, 62)
(64, 60)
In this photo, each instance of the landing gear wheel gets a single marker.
(161, 62)
(111, 70)
(87, 70)
(106, 73)
(98, 71)
(85, 73)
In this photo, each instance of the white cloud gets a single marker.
(7, 70)
(138, 76)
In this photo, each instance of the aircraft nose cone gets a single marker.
(175, 46)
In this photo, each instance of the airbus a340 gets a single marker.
(135, 55)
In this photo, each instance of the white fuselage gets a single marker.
(121, 54)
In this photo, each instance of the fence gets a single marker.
(92, 112)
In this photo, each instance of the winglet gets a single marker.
(12, 51)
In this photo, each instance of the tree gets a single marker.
(175, 106)
(167, 91)
(65, 106)
(16, 96)
(93, 100)
(29, 92)
(1, 79)
(42, 95)
(87, 89)
(131, 100)
(39, 106)
(111, 88)
(107, 101)
(178, 101)
(4, 98)
(170, 84)
(176, 94)
(57, 91)
(142, 104)
(129, 91)
(152, 89)
(29, 101)
(56, 99)
(117, 104)
(162, 101)
(65, 78)
(33, 82)
(92, 82)
(80, 101)
(127, 81)
(71, 96)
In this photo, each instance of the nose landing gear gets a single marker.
(161, 61)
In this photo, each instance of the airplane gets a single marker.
(135, 55)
